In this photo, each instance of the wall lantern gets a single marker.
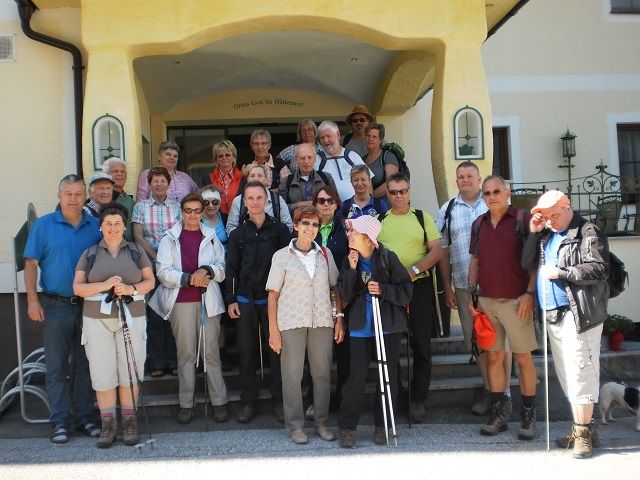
(568, 152)
(108, 140)
(468, 129)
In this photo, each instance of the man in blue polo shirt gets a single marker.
(55, 244)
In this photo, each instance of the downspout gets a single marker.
(26, 8)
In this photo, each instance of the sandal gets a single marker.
(89, 429)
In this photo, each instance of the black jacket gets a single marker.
(249, 254)
(337, 241)
(396, 285)
(583, 260)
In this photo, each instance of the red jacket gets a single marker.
(229, 194)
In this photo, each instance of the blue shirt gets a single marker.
(365, 271)
(369, 209)
(556, 296)
(221, 233)
(57, 246)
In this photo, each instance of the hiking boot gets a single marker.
(582, 441)
(347, 438)
(379, 436)
(185, 415)
(527, 428)
(246, 414)
(220, 414)
(482, 405)
(566, 442)
(130, 430)
(497, 421)
(417, 412)
(108, 433)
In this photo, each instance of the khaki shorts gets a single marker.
(503, 314)
(103, 342)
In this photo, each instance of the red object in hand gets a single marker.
(485, 333)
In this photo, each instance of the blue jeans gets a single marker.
(62, 329)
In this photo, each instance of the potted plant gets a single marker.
(616, 327)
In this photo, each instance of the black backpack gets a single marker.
(447, 219)
(419, 215)
(323, 159)
(617, 276)
(398, 151)
(275, 201)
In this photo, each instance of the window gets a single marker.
(108, 140)
(501, 152)
(468, 129)
(629, 155)
(625, 6)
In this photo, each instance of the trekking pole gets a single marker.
(544, 337)
(260, 349)
(203, 332)
(131, 359)
(383, 368)
(409, 363)
(436, 296)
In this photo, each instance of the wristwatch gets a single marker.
(135, 290)
(416, 269)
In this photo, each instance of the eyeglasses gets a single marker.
(211, 202)
(359, 119)
(189, 211)
(488, 193)
(224, 155)
(260, 144)
(402, 191)
(322, 201)
(307, 223)
(350, 230)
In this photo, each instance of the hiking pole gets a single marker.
(408, 310)
(544, 336)
(260, 350)
(436, 296)
(203, 333)
(385, 385)
(131, 359)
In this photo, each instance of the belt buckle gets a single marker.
(74, 300)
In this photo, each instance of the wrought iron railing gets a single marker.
(610, 201)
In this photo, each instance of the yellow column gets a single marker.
(460, 80)
(110, 88)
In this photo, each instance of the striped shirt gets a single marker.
(462, 216)
(156, 218)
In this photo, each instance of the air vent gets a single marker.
(7, 48)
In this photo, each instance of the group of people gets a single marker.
(293, 259)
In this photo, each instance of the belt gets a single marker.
(72, 300)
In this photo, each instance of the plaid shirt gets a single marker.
(462, 216)
(156, 218)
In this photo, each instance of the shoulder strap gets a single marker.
(93, 250)
(324, 177)
(520, 227)
(420, 216)
(477, 224)
(382, 216)
(290, 180)
(324, 252)
(347, 138)
(447, 219)
(346, 156)
(323, 160)
(275, 202)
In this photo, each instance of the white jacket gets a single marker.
(171, 276)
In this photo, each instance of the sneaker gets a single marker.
(482, 405)
(59, 434)
(299, 437)
(246, 414)
(310, 414)
(347, 438)
(89, 429)
(108, 433)
(497, 422)
(582, 441)
(566, 442)
(379, 436)
(278, 412)
(185, 415)
(417, 412)
(130, 430)
(220, 414)
(527, 428)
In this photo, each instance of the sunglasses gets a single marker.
(211, 202)
(488, 193)
(224, 155)
(307, 223)
(350, 230)
(359, 119)
(402, 191)
(189, 211)
(322, 201)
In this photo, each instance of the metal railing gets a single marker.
(610, 201)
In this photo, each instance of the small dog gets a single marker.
(614, 394)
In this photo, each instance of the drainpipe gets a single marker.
(26, 8)
(507, 17)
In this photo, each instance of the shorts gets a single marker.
(503, 314)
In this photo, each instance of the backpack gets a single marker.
(93, 250)
(275, 201)
(323, 158)
(519, 228)
(447, 219)
(348, 204)
(617, 276)
(398, 151)
(322, 175)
